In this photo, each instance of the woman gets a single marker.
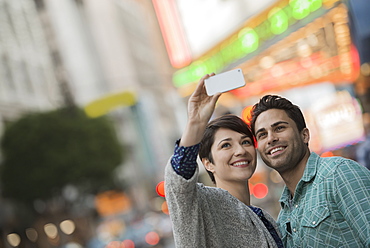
(218, 216)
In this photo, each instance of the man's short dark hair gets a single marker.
(228, 121)
(277, 102)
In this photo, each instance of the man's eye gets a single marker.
(279, 128)
(261, 135)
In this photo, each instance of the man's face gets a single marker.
(280, 144)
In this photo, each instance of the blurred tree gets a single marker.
(43, 152)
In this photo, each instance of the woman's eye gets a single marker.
(246, 142)
(225, 145)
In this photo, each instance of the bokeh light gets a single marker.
(157, 203)
(250, 185)
(13, 239)
(160, 189)
(31, 234)
(51, 230)
(165, 208)
(260, 190)
(327, 154)
(67, 226)
(152, 238)
(127, 243)
(73, 245)
(113, 244)
(275, 176)
(247, 114)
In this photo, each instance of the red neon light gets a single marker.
(172, 32)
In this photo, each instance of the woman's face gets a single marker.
(234, 156)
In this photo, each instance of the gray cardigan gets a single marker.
(210, 217)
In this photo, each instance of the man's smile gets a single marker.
(276, 150)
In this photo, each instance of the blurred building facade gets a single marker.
(109, 47)
(28, 79)
(74, 51)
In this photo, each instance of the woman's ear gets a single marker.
(208, 165)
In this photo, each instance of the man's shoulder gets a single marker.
(337, 161)
(333, 165)
(324, 165)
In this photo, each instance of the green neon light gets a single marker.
(243, 44)
(247, 40)
(300, 8)
(278, 20)
(315, 5)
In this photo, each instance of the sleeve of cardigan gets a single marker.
(184, 160)
(182, 196)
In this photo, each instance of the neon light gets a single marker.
(279, 21)
(300, 8)
(315, 5)
(241, 44)
(172, 32)
(270, 23)
(249, 40)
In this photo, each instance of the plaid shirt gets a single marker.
(331, 205)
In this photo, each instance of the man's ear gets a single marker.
(305, 135)
(208, 165)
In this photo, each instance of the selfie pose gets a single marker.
(326, 201)
(220, 216)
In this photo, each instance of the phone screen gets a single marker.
(225, 81)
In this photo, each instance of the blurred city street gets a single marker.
(93, 97)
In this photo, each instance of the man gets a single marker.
(326, 201)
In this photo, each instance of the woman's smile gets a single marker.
(240, 163)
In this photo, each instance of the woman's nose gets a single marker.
(240, 150)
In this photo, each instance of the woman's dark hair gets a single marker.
(229, 121)
(277, 102)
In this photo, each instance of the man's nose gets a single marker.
(271, 137)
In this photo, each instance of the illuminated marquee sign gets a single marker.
(321, 51)
(274, 21)
(338, 122)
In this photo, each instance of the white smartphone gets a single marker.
(224, 82)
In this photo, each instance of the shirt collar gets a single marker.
(311, 167)
(308, 174)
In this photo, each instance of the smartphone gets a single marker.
(224, 82)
